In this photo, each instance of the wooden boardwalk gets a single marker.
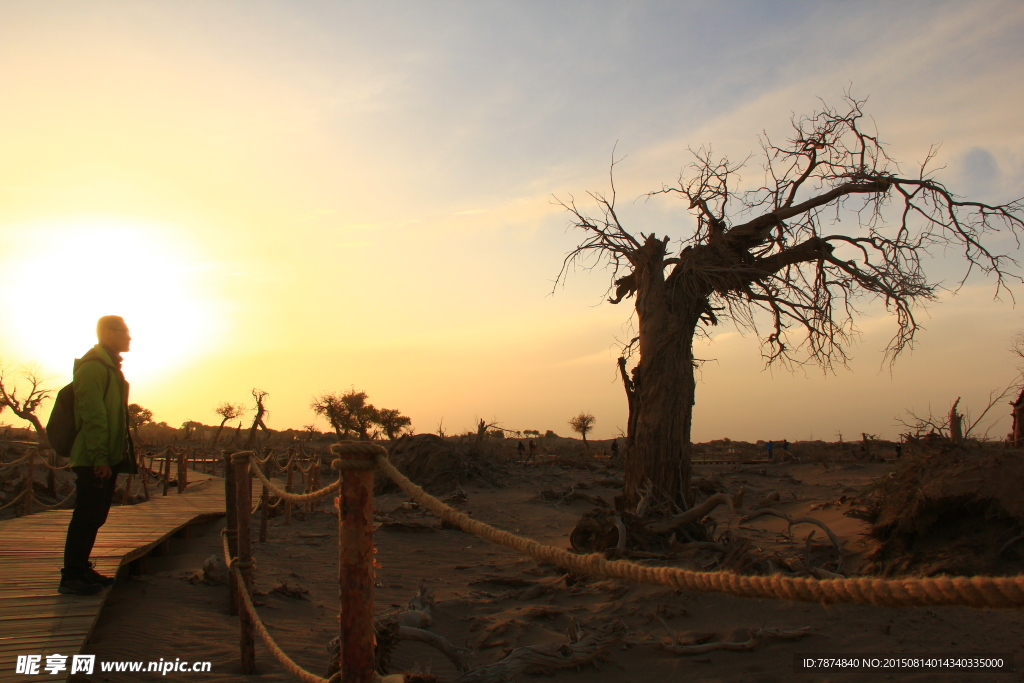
(37, 620)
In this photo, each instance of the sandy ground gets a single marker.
(160, 614)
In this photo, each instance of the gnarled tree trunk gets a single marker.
(663, 383)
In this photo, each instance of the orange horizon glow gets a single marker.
(308, 197)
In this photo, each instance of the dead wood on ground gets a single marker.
(690, 643)
(578, 651)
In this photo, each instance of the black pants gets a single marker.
(93, 497)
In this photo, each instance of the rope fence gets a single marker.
(355, 532)
(27, 494)
(978, 591)
(355, 541)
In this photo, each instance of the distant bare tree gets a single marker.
(582, 424)
(767, 257)
(954, 426)
(1017, 406)
(26, 406)
(227, 411)
(257, 422)
(482, 428)
(392, 422)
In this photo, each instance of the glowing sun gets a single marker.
(62, 276)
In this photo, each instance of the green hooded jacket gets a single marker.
(102, 421)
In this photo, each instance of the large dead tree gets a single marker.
(767, 259)
(28, 405)
(257, 421)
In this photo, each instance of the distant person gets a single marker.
(899, 450)
(522, 449)
(771, 450)
(785, 445)
(102, 448)
(615, 449)
(533, 449)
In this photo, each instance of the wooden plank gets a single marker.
(34, 617)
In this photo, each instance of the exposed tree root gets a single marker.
(740, 639)
(570, 494)
(695, 513)
(435, 641)
(799, 520)
(574, 653)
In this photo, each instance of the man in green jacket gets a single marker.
(101, 450)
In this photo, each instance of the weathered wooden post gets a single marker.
(167, 469)
(264, 514)
(314, 484)
(231, 528)
(127, 489)
(144, 473)
(182, 470)
(288, 488)
(243, 511)
(355, 548)
(51, 475)
(30, 477)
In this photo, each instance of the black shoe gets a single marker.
(96, 577)
(78, 586)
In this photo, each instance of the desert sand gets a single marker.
(489, 600)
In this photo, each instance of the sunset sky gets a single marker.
(312, 196)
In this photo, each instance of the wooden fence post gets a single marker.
(51, 475)
(355, 549)
(30, 477)
(314, 484)
(288, 488)
(144, 473)
(182, 470)
(231, 526)
(167, 469)
(243, 511)
(264, 514)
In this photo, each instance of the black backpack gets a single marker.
(60, 428)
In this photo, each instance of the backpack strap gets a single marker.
(87, 358)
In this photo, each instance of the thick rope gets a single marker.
(50, 507)
(16, 499)
(269, 455)
(51, 467)
(357, 447)
(250, 609)
(47, 465)
(978, 591)
(20, 460)
(353, 464)
(294, 497)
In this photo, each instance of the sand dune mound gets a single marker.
(436, 464)
(956, 511)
